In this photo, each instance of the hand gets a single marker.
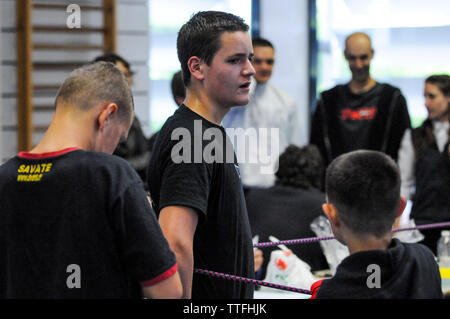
(258, 259)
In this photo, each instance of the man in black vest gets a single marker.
(362, 114)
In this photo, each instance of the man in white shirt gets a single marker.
(269, 123)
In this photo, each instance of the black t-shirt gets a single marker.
(77, 224)
(374, 120)
(192, 165)
(286, 213)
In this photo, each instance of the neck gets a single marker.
(205, 107)
(357, 243)
(64, 132)
(358, 87)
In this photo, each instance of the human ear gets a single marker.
(331, 213)
(195, 65)
(105, 115)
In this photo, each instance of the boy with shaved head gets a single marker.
(362, 114)
(363, 200)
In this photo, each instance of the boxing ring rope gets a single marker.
(294, 242)
(316, 239)
(251, 281)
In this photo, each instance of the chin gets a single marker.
(241, 102)
(262, 80)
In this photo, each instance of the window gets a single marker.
(166, 18)
(410, 38)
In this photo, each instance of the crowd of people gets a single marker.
(139, 222)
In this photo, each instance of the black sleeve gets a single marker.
(146, 253)
(186, 184)
(317, 134)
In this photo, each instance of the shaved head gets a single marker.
(359, 53)
(97, 82)
(358, 38)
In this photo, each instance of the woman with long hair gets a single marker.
(424, 160)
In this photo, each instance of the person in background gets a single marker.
(178, 93)
(75, 221)
(424, 160)
(135, 149)
(177, 88)
(270, 107)
(363, 200)
(362, 114)
(287, 209)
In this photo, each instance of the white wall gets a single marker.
(285, 24)
(132, 44)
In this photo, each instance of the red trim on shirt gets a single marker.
(45, 155)
(161, 277)
(315, 288)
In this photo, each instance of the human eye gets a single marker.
(364, 57)
(234, 60)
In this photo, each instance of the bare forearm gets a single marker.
(185, 260)
(178, 225)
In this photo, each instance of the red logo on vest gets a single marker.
(364, 113)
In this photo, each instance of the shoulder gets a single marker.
(335, 89)
(334, 92)
(390, 89)
(107, 165)
(418, 250)
(8, 164)
(427, 124)
(8, 170)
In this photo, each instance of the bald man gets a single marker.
(362, 114)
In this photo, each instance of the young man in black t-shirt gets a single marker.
(75, 222)
(193, 174)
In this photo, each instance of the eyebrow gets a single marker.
(362, 56)
(241, 55)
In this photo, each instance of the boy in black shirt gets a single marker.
(193, 173)
(75, 222)
(363, 195)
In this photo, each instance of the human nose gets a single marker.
(249, 70)
(428, 104)
(359, 63)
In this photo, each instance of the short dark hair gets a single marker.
(364, 186)
(200, 37)
(99, 81)
(113, 58)
(261, 42)
(300, 167)
(177, 86)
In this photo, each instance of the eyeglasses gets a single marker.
(260, 61)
